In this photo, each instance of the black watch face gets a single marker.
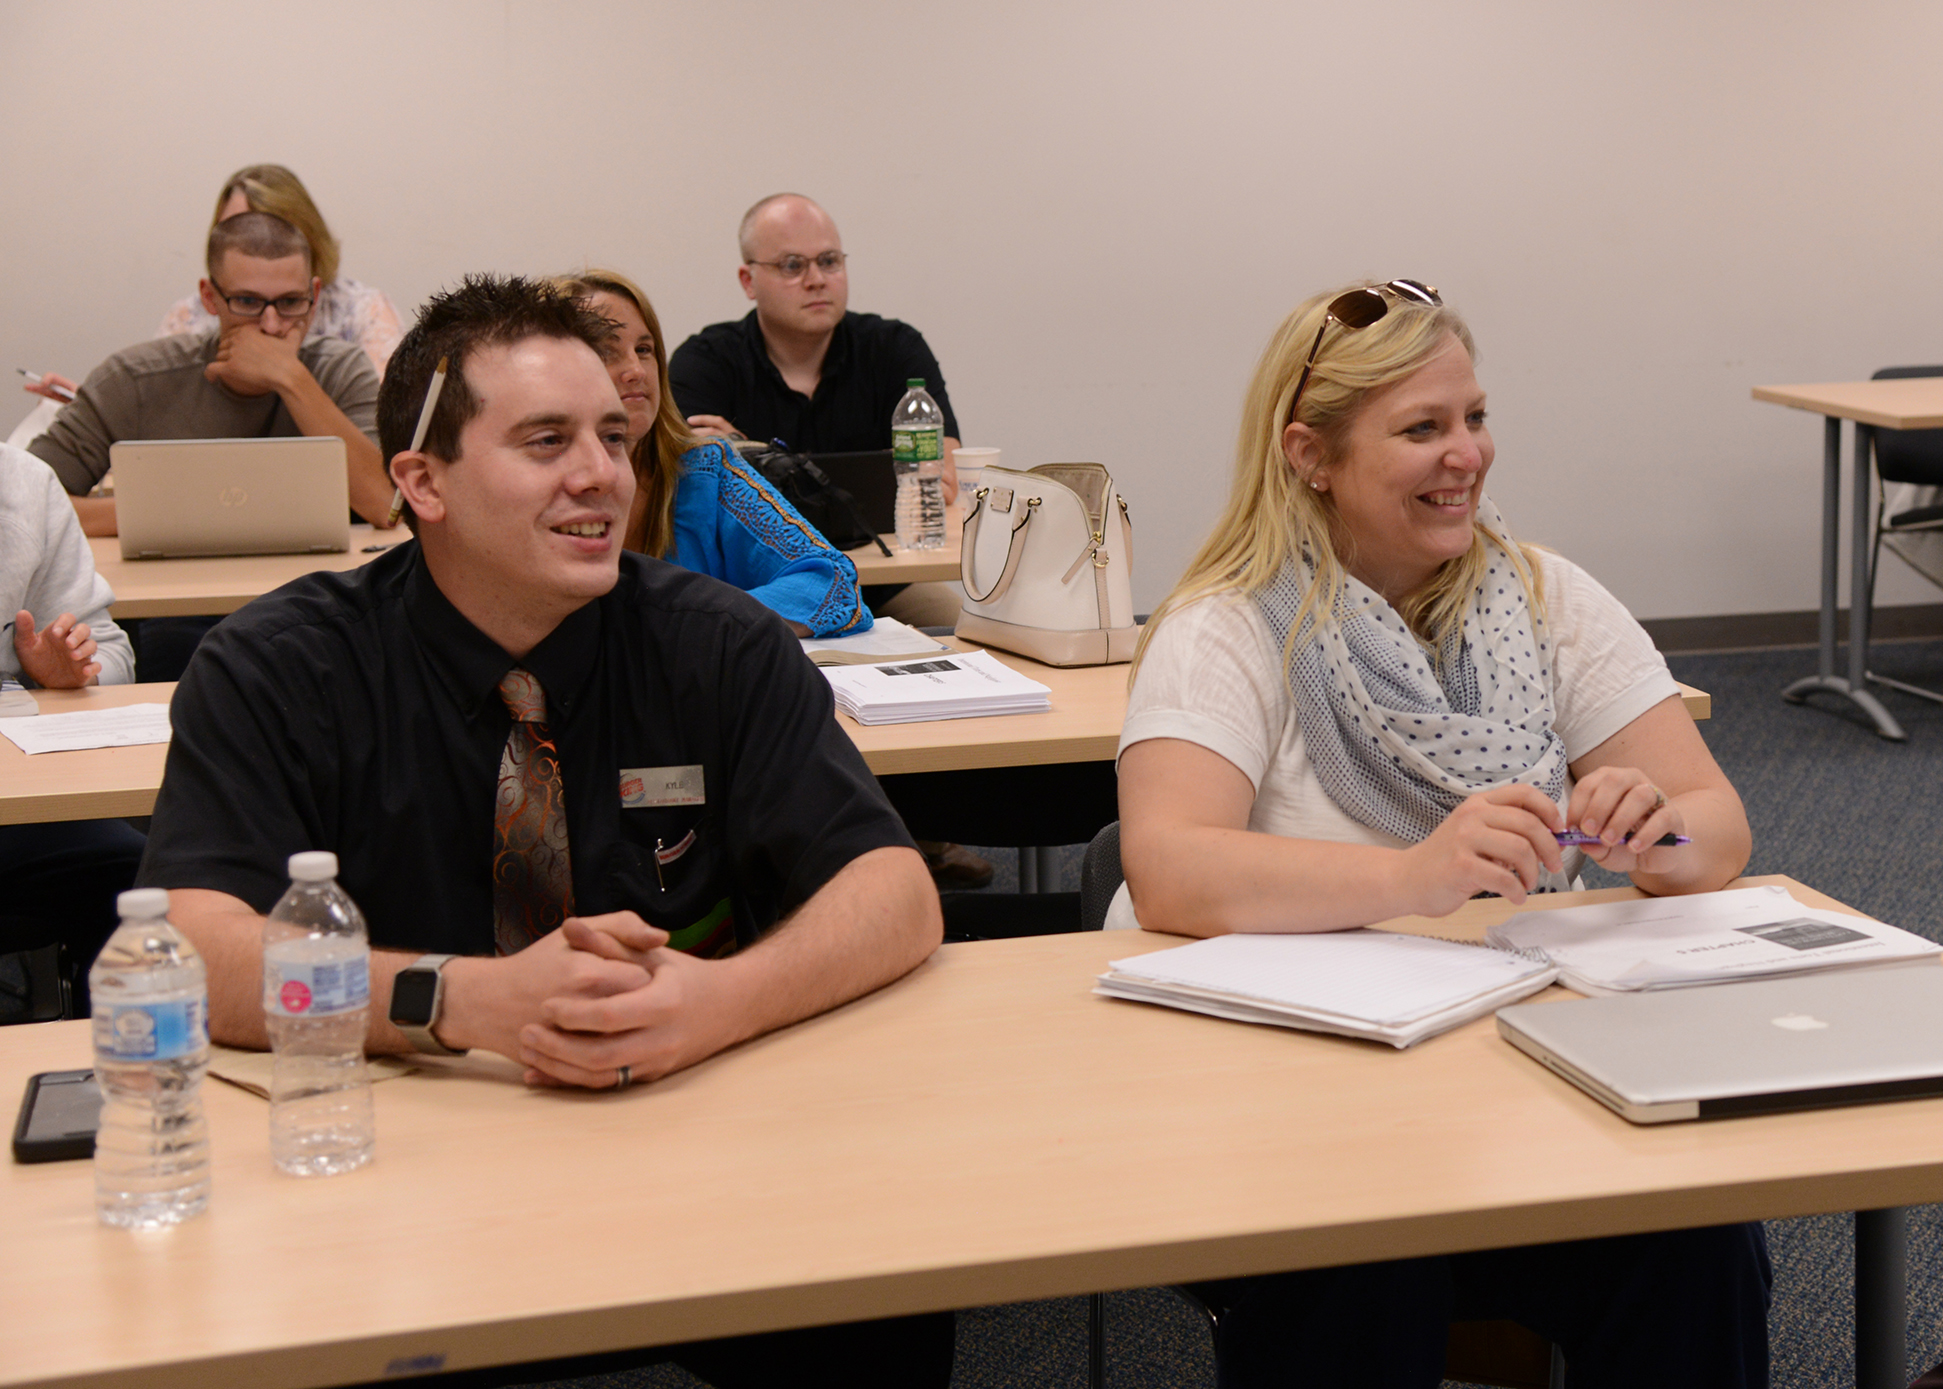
(412, 993)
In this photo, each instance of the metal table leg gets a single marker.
(1881, 1290)
(1853, 686)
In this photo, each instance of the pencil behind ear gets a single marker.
(418, 477)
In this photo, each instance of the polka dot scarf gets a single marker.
(1398, 742)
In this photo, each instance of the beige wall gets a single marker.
(1095, 212)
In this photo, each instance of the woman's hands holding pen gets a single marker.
(1628, 812)
(1496, 841)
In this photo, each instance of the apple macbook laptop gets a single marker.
(181, 497)
(1805, 1042)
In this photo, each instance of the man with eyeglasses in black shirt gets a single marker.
(254, 376)
(800, 366)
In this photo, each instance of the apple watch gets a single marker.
(417, 1000)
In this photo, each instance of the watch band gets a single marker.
(418, 1031)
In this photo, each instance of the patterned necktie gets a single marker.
(532, 870)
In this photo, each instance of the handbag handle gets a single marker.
(1014, 550)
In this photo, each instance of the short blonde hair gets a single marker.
(274, 189)
(1272, 519)
(656, 455)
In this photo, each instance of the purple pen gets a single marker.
(1577, 838)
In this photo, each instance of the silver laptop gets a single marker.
(180, 497)
(1806, 1042)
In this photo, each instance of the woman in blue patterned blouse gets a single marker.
(696, 503)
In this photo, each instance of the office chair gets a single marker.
(1913, 456)
(1501, 1353)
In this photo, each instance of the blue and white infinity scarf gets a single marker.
(1396, 746)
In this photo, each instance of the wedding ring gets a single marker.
(1659, 800)
(623, 1077)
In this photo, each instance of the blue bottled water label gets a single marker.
(315, 988)
(151, 1031)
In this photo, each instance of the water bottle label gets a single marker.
(150, 1031)
(917, 445)
(307, 989)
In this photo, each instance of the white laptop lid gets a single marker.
(178, 497)
(1805, 1042)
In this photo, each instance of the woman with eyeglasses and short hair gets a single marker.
(697, 504)
(1367, 699)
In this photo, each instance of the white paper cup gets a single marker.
(971, 465)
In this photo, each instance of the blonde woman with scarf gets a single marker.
(1368, 699)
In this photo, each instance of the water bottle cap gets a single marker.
(314, 866)
(915, 383)
(143, 902)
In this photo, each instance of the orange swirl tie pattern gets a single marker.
(532, 870)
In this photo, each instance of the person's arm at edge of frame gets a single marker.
(316, 413)
(1194, 868)
(487, 1000)
(876, 920)
(1614, 789)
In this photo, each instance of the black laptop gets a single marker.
(871, 482)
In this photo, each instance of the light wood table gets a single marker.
(89, 785)
(1911, 403)
(1089, 705)
(907, 566)
(983, 1131)
(218, 585)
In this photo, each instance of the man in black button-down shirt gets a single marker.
(800, 367)
(359, 713)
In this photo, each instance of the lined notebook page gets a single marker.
(1377, 976)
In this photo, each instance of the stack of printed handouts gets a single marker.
(957, 685)
(887, 640)
(1380, 985)
(1705, 938)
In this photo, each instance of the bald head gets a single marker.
(784, 208)
(788, 229)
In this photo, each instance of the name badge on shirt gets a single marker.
(653, 786)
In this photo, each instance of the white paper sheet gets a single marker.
(1669, 942)
(125, 727)
(961, 685)
(1377, 985)
(887, 639)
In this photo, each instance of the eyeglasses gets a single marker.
(253, 305)
(792, 267)
(1359, 308)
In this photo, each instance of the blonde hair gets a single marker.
(1272, 519)
(274, 189)
(656, 455)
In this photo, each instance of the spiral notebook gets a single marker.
(1380, 985)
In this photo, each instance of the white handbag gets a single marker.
(1046, 561)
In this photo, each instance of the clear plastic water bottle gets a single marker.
(316, 1001)
(151, 1047)
(917, 452)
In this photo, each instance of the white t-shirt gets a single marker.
(1212, 675)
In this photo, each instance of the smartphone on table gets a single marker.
(58, 1117)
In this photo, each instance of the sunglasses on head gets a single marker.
(1358, 308)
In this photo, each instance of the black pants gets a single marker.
(898, 1353)
(58, 883)
(1683, 1308)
